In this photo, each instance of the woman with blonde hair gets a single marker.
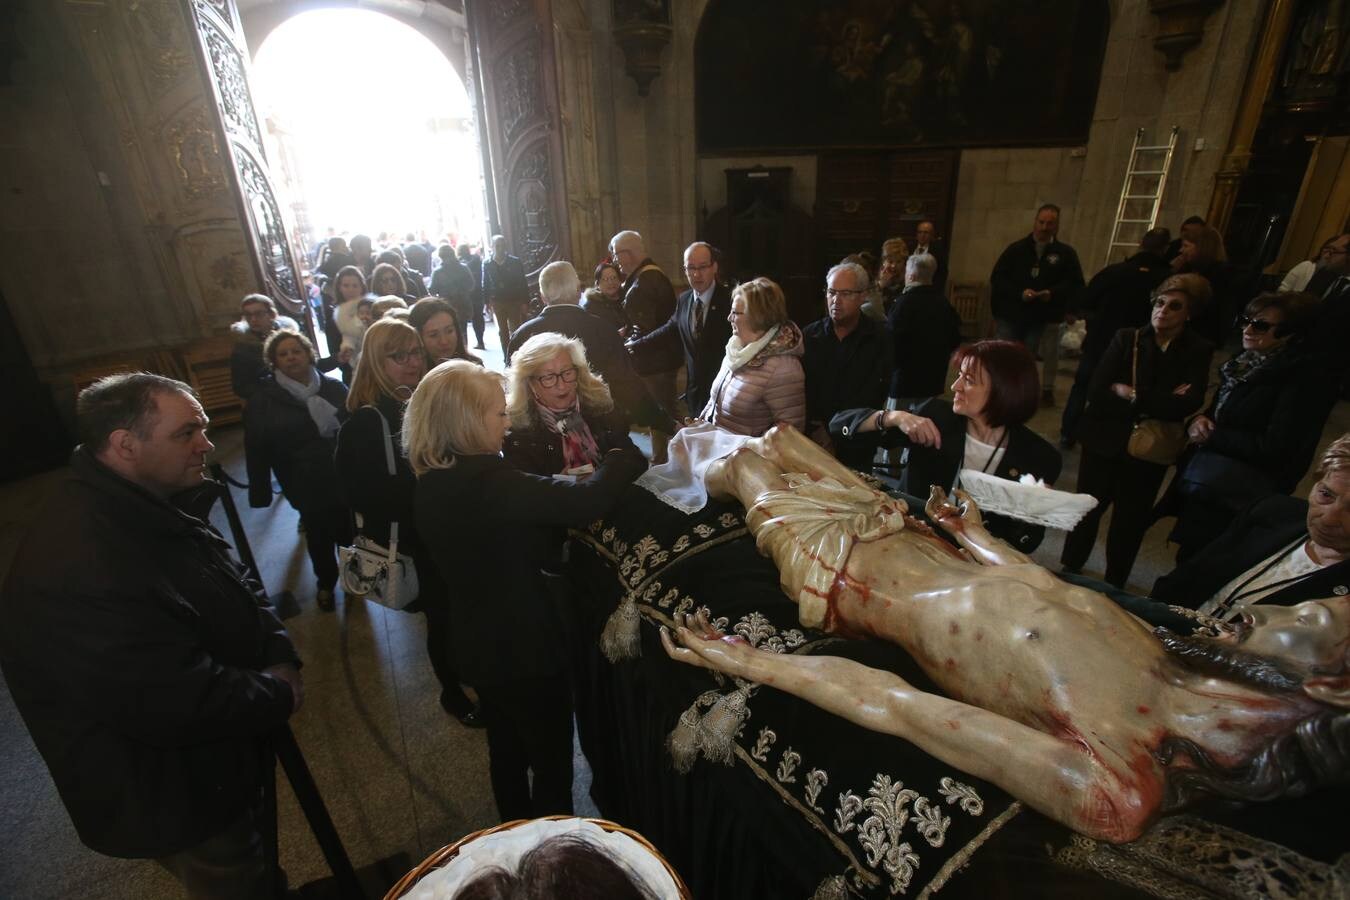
(761, 382)
(390, 367)
(563, 419)
(490, 527)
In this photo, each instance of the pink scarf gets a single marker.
(579, 446)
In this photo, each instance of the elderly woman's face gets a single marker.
(971, 390)
(441, 337)
(293, 360)
(740, 322)
(1170, 312)
(554, 384)
(610, 284)
(1258, 329)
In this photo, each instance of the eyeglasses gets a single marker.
(403, 356)
(1172, 305)
(696, 269)
(1258, 326)
(549, 379)
(841, 292)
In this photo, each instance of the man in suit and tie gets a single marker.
(699, 326)
(926, 241)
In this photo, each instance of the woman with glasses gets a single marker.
(290, 427)
(1258, 435)
(390, 368)
(1157, 372)
(438, 325)
(605, 299)
(761, 382)
(491, 527)
(563, 420)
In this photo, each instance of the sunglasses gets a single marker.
(1172, 305)
(1258, 326)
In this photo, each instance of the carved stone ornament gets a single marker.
(159, 30)
(196, 156)
(642, 43)
(1181, 25)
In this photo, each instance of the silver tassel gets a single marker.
(620, 638)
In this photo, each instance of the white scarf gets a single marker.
(739, 354)
(321, 411)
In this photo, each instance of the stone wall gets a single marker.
(660, 184)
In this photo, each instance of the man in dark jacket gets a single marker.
(925, 330)
(1117, 297)
(454, 283)
(474, 263)
(847, 361)
(699, 327)
(1031, 286)
(505, 288)
(560, 287)
(648, 301)
(150, 673)
(248, 369)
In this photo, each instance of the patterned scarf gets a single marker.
(579, 446)
(1239, 369)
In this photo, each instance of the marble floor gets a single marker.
(398, 775)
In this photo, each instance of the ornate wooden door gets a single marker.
(515, 83)
(220, 40)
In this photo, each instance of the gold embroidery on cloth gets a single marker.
(955, 791)
(787, 765)
(763, 743)
(815, 780)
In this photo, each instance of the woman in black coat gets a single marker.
(290, 428)
(982, 427)
(392, 363)
(490, 528)
(1259, 433)
(1172, 371)
(562, 416)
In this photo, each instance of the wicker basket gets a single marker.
(449, 852)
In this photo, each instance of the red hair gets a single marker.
(1014, 385)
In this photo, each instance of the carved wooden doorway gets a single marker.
(516, 97)
(222, 54)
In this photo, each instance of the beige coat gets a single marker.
(770, 388)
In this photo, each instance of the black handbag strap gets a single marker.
(393, 470)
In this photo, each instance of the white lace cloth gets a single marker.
(505, 849)
(1034, 503)
(679, 482)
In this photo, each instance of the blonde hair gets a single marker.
(592, 391)
(370, 381)
(764, 303)
(384, 304)
(445, 417)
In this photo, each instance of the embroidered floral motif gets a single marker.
(702, 530)
(850, 804)
(681, 544)
(787, 765)
(685, 605)
(728, 520)
(608, 535)
(815, 780)
(759, 632)
(930, 822)
(763, 743)
(955, 791)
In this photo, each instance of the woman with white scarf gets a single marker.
(290, 428)
(563, 419)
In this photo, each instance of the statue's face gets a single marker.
(1311, 638)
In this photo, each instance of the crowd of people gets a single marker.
(401, 434)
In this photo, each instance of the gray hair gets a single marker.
(558, 282)
(921, 268)
(859, 274)
(627, 239)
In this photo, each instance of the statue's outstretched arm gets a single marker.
(963, 522)
(1058, 777)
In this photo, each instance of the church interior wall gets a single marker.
(663, 184)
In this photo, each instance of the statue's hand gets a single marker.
(701, 644)
(970, 512)
(953, 516)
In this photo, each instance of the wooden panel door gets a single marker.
(515, 80)
(865, 198)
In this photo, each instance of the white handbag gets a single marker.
(369, 569)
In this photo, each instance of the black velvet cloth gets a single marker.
(748, 828)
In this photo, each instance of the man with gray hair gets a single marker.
(561, 289)
(146, 666)
(847, 361)
(924, 332)
(648, 301)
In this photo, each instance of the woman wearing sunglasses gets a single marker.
(1259, 433)
(563, 420)
(1157, 372)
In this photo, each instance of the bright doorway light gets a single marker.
(369, 127)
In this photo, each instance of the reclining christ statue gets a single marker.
(1054, 693)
